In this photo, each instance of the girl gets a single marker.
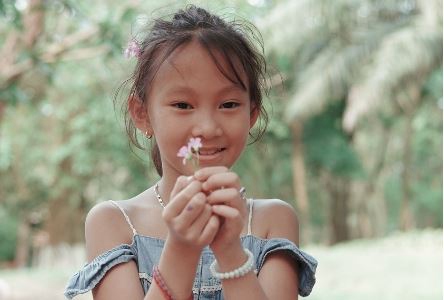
(194, 235)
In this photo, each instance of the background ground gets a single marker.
(402, 266)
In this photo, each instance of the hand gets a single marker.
(222, 188)
(188, 217)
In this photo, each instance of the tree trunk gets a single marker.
(340, 212)
(408, 102)
(339, 192)
(371, 208)
(23, 244)
(65, 221)
(299, 184)
(406, 217)
(12, 68)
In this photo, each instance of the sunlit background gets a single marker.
(354, 141)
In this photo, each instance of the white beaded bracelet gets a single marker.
(236, 273)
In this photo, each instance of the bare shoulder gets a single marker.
(105, 228)
(278, 218)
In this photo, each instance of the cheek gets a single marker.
(166, 130)
(242, 124)
(239, 129)
(164, 123)
(169, 133)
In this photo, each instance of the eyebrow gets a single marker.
(224, 90)
(232, 88)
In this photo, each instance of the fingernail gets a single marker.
(189, 178)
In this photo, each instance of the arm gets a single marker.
(278, 277)
(191, 226)
(188, 233)
(278, 267)
(122, 281)
(105, 228)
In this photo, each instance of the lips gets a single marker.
(210, 151)
(211, 155)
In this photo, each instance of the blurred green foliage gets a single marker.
(8, 235)
(328, 147)
(63, 147)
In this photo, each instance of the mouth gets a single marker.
(210, 155)
(210, 151)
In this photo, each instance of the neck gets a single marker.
(166, 185)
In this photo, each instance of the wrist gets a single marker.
(178, 258)
(178, 246)
(230, 258)
(240, 271)
(172, 255)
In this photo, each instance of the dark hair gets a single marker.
(233, 40)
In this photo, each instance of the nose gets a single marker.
(206, 126)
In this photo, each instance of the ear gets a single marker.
(254, 114)
(139, 114)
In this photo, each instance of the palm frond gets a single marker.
(329, 44)
(289, 25)
(405, 56)
(326, 79)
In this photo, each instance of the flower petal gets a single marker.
(183, 152)
(195, 144)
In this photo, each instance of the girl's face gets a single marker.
(190, 97)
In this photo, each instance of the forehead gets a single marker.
(193, 63)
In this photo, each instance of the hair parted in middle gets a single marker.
(234, 41)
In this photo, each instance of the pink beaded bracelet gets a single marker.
(161, 283)
(158, 279)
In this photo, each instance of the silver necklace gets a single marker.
(156, 191)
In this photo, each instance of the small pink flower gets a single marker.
(194, 144)
(132, 50)
(185, 153)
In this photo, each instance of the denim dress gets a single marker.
(146, 251)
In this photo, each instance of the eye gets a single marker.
(230, 104)
(182, 105)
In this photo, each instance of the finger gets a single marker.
(228, 196)
(195, 229)
(210, 230)
(204, 173)
(221, 180)
(202, 219)
(191, 211)
(181, 199)
(181, 183)
(226, 211)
